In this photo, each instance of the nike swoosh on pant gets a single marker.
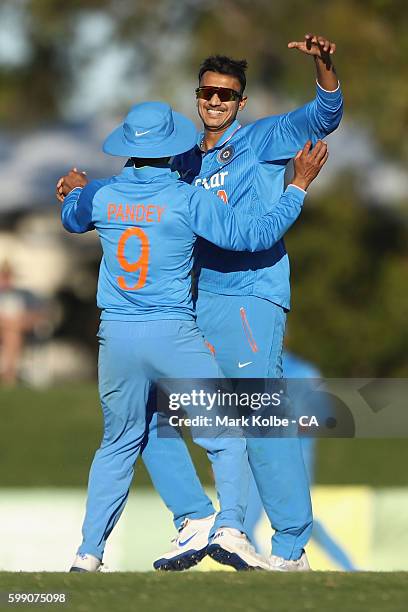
(242, 365)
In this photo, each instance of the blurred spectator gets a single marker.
(20, 312)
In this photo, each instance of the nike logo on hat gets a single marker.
(141, 133)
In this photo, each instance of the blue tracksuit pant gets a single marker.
(132, 357)
(247, 334)
(320, 534)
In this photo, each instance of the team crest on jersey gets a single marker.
(226, 154)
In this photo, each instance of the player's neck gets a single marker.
(211, 138)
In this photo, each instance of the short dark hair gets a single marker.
(225, 65)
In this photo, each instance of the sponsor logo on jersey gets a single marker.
(214, 182)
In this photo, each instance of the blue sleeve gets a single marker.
(229, 229)
(76, 211)
(280, 137)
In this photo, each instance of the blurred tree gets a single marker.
(348, 262)
(33, 90)
(51, 67)
(371, 59)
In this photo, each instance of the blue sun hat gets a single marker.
(151, 129)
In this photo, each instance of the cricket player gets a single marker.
(148, 221)
(296, 367)
(243, 299)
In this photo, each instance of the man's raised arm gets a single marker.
(322, 50)
(280, 136)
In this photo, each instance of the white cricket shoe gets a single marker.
(231, 547)
(279, 564)
(86, 563)
(189, 547)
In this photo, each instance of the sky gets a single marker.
(13, 43)
(98, 81)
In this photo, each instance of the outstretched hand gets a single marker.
(315, 45)
(67, 183)
(308, 163)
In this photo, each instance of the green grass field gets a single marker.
(47, 438)
(228, 592)
(56, 431)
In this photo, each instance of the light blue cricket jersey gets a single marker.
(246, 168)
(148, 221)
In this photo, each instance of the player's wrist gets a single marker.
(324, 62)
(336, 88)
(300, 183)
(75, 187)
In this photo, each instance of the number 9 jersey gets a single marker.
(148, 220)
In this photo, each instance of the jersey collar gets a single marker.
(225, 137)
(147, 174)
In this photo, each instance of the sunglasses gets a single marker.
(225, 94)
